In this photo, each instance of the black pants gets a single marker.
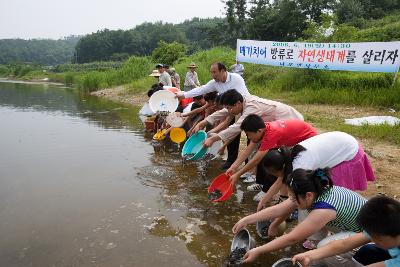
(233, 147)
(263, 178)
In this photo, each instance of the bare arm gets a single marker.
(314, 222)
(249, 166)
(281, 209)
(195, 111)
(253, 162)
(243, 155)
(333, 248)
(272, 191)
(200, 125)
(223, 125)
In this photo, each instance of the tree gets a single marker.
(314, 9)
(350, 11)
(236, 12)
(281, 21)
(168, 53)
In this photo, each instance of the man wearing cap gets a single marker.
(176, 80)
(164, 78)
(191, 79)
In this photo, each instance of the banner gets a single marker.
(369, 57)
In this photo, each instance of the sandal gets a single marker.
(309, 244)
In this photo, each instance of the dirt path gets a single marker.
(383, 155)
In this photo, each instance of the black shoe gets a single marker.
(226, 165)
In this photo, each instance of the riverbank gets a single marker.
(383, 154)
(30, 81)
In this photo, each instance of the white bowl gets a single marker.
(216, 146)
(174, 119)
(163, 100)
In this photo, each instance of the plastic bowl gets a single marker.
(221, 183)
(177, 135)
(243, 240)
(216, 146)
(260, 226)
(174, 119)
(194, 145)
(159, 135)
(163, 101)
(150, 125)
(286, 262)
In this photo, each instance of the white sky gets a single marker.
(55, 19)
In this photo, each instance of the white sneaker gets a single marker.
(254, 187)
(259, 196)
(250, 179)
(245, 175)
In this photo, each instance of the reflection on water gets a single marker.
(82, 184)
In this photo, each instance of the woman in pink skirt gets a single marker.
(339, 151)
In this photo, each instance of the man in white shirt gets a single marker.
(164, 78)
(222, 82)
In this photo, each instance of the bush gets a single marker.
(4, 71)
(169, 53)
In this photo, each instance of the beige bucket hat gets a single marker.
(155, 73)
(192, 65)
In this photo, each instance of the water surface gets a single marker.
(82, 184)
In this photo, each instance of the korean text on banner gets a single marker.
(368, 57)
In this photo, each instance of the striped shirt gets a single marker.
(347, 205)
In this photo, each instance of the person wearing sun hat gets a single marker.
(191, 79)
(155, 74)
(164, 78)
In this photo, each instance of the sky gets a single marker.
(29, 19)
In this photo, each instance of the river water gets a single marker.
(82, 184)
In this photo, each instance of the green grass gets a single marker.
(335, 122)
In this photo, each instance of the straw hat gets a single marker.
(155, 73)
(192, 65)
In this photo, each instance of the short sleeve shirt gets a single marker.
(394, 253)
(326, 150)
(285, 133)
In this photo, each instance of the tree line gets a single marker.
(37, 51)
(272, 20)
(196, 34)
